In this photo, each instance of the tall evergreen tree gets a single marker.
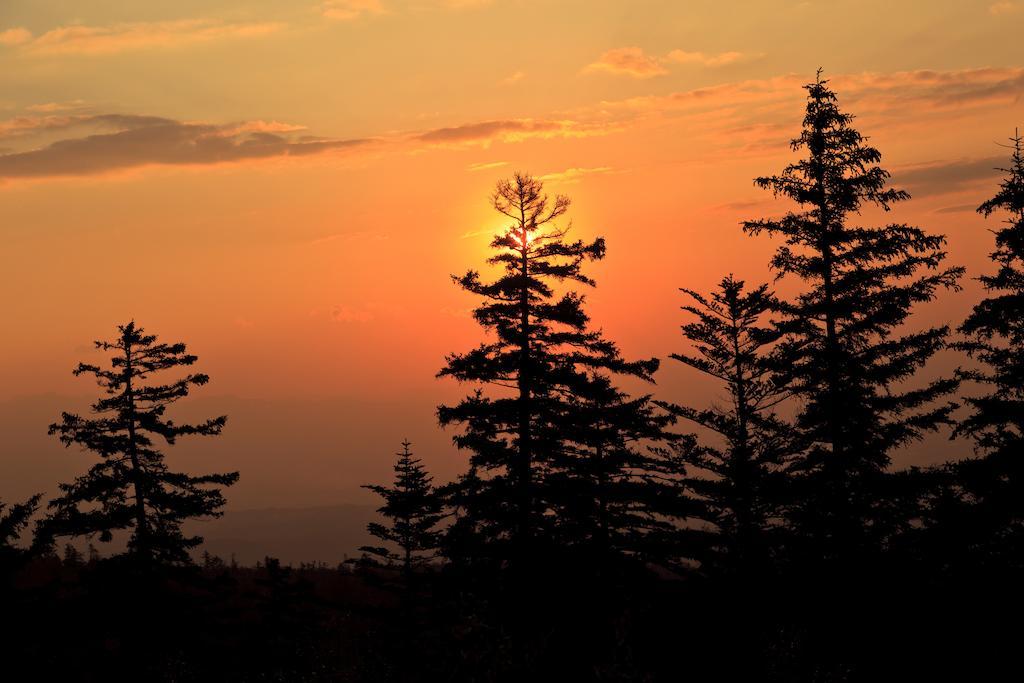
(540, 357)
(739, 481)
(413, 510)
(131, 488)
(994, 337)
(843, 354)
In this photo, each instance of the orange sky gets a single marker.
(287, 186)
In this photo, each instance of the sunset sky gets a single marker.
(287, 186)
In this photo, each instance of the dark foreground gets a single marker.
(109, 621)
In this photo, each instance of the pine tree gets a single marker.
(131, 488)
(843, 355)
(537, 360)
(413, 510)
(14, 518)
(994, 337)
(739, 481)
(72, 556)
(616, 486)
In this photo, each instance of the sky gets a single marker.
(287, 186)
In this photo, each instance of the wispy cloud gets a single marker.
(49, 107)
(348, 10)
(1005, 7)
(463, 4)
(629, 61)
(959, 208)
(946, 177)
(342, 237)
(753, 115)
(350, 314)
(15, 36)
(508, 130)
(703, 58)
(124, 37)
(512, 79)
(132, 141)
(485, 165)
(573, 175)
(633, 61)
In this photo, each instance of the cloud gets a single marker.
(350, 314)
(937, 89)
(948, 176)
(755, 117)
(49, 107)
(959, 208)
(358, 236)
(1001, 8)
(633, 61)
(116, 38)
(485, 165)
(704, 59)
(629, 61)
(508, 130)
(15, 36)
(148, 140)
(573, 175)
(348, 10)
(464, 4)
(513, 78)
(873, 92)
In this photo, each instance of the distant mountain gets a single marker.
(314, 534)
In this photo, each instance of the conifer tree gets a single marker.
(994, 337)
(619, 490)
(14, 518)
(131, 487)
(844, 354)
(461, 542)
(413, 510)
(738, 482)
(538, 358)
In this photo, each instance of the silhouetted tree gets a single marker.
(131, 487)
(72, 556)
(739, 481)
(14, 518)
(615, 488)
(993, 484)
(461, 543)
(539, 357)
(413, 510)
(843, 355)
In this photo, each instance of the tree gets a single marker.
(842, 354)
(616, 489)
(538, 358)
(738, 482)
(131, 488)
(994, 337)
(14, 518)
(413, 510)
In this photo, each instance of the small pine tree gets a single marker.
(413, 510)
(842, 354)
(994, 337)
(13, 521)
(72, 556)
(738, 482)
(131, 487)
